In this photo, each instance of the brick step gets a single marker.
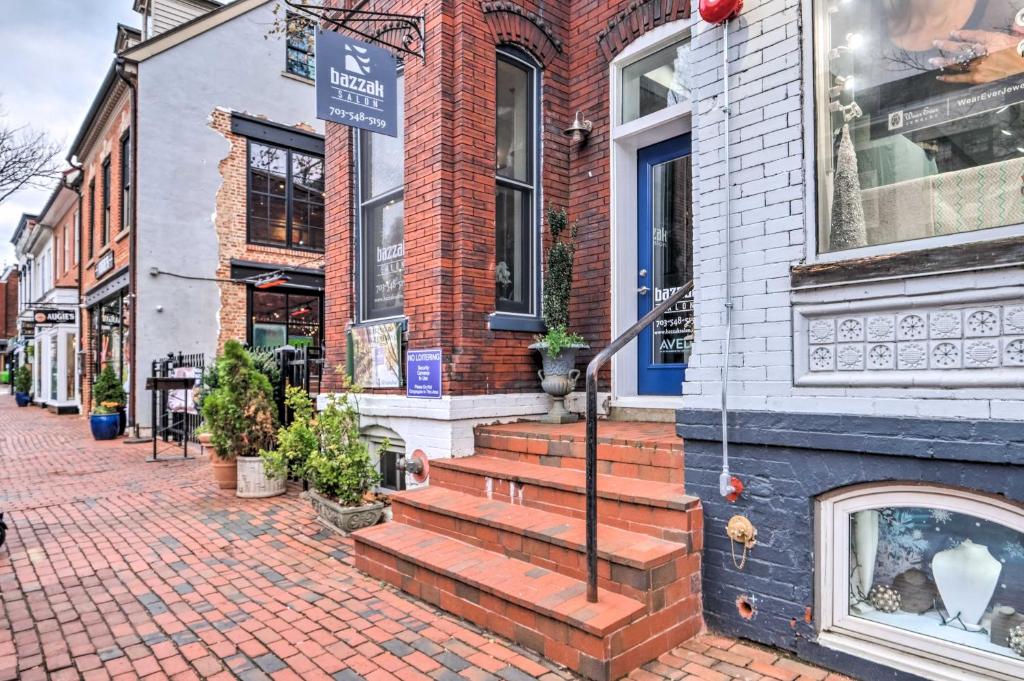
(654, 508)
(649, 451)
(540, 609)
(636, 565)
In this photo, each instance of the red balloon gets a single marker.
(718, 11)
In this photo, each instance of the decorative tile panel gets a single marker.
(942, 339)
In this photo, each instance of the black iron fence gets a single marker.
(176, 414)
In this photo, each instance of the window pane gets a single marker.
(300, 47)
(672, 259)
(514, 248)
(383, 157)
(303, 320)
(70, 366)
(383, 264)
(656, 82)
(270, 164)
(939, 146)
(937, 573)
(514, 121)
(269, 335)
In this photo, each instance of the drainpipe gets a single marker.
(725, 486)
(133, 333)
(79, 353)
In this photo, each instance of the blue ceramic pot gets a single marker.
(22, 399)
(104, 426)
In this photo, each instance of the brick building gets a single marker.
(849, 211)
(8, 316)
(197, 184)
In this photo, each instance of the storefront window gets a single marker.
(920, 119)
(70, 365)
(515, 212)
(286, 197)
(382, 220)
(930, 571)
(110, 336)
(283, 318)
(656, 82)
(54, 369)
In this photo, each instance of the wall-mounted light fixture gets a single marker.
(580, 129)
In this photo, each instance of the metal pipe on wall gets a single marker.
(725, 485)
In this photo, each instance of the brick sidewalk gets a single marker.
(117, 568)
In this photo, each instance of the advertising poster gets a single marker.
(374, 355)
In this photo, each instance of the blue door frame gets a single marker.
(652, 378)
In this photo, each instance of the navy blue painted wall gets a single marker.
(811, 455)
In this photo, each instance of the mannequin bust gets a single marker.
(966, 578)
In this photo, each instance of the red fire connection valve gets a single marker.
(719, 11)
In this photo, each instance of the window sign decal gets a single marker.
(356, 84)
(423, 368)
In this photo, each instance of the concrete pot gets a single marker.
(344, 519)
(253, 481)
(558, 379)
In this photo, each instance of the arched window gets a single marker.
(926, 579)
(517, 147)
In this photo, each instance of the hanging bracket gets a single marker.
(403, 34)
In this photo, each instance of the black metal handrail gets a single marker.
(592, 369)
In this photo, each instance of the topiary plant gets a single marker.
(558, 283)
(239, 413)
(340, 467)
(23, 379)
(108, 390)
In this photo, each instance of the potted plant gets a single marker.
(108, 393)
(23, 385)
(558, 347)
(296, 441)
(104, 421)
(238, 415)
(337, 462)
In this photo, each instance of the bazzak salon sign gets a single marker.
(356, 84)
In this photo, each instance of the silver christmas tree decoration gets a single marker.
(848, 228)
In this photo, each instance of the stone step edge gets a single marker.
(673, 550)
(632, 609)
(539, 475)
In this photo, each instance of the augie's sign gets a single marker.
(356, 84)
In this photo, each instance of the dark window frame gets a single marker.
(289, 197)
(92, 218)
(309, 51)
(286, 291)
(362, 205)
(105, 233)
(531, 309)
(126, 181)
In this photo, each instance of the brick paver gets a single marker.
(118, 568)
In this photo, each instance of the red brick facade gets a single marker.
(231, 233)
(450, 177)
(9, 306)
(103, 144)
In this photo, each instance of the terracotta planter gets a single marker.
(344, 519)
(225, 472)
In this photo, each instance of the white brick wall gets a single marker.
(771, 170)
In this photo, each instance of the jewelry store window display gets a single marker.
(920, 119)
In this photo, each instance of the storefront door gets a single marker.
(664, 263)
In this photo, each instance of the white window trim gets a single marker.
(815, 139)
(626, 139)
(891, 646)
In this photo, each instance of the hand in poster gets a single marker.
(977, 57)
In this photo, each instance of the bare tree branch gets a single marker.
(28, 158)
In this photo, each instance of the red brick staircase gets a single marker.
(499, 539)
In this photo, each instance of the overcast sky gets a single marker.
(53, 56)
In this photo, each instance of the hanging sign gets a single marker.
(356, 84)
(423, 374)
(54, 316)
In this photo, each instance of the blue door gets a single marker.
(664, 263)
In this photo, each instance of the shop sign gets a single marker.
(423, 372)
(356, 84)
(374, 355)
(54, 317)
(28, 329)
(105, 263)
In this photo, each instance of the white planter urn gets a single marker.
(253, 481)
(966, 578)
